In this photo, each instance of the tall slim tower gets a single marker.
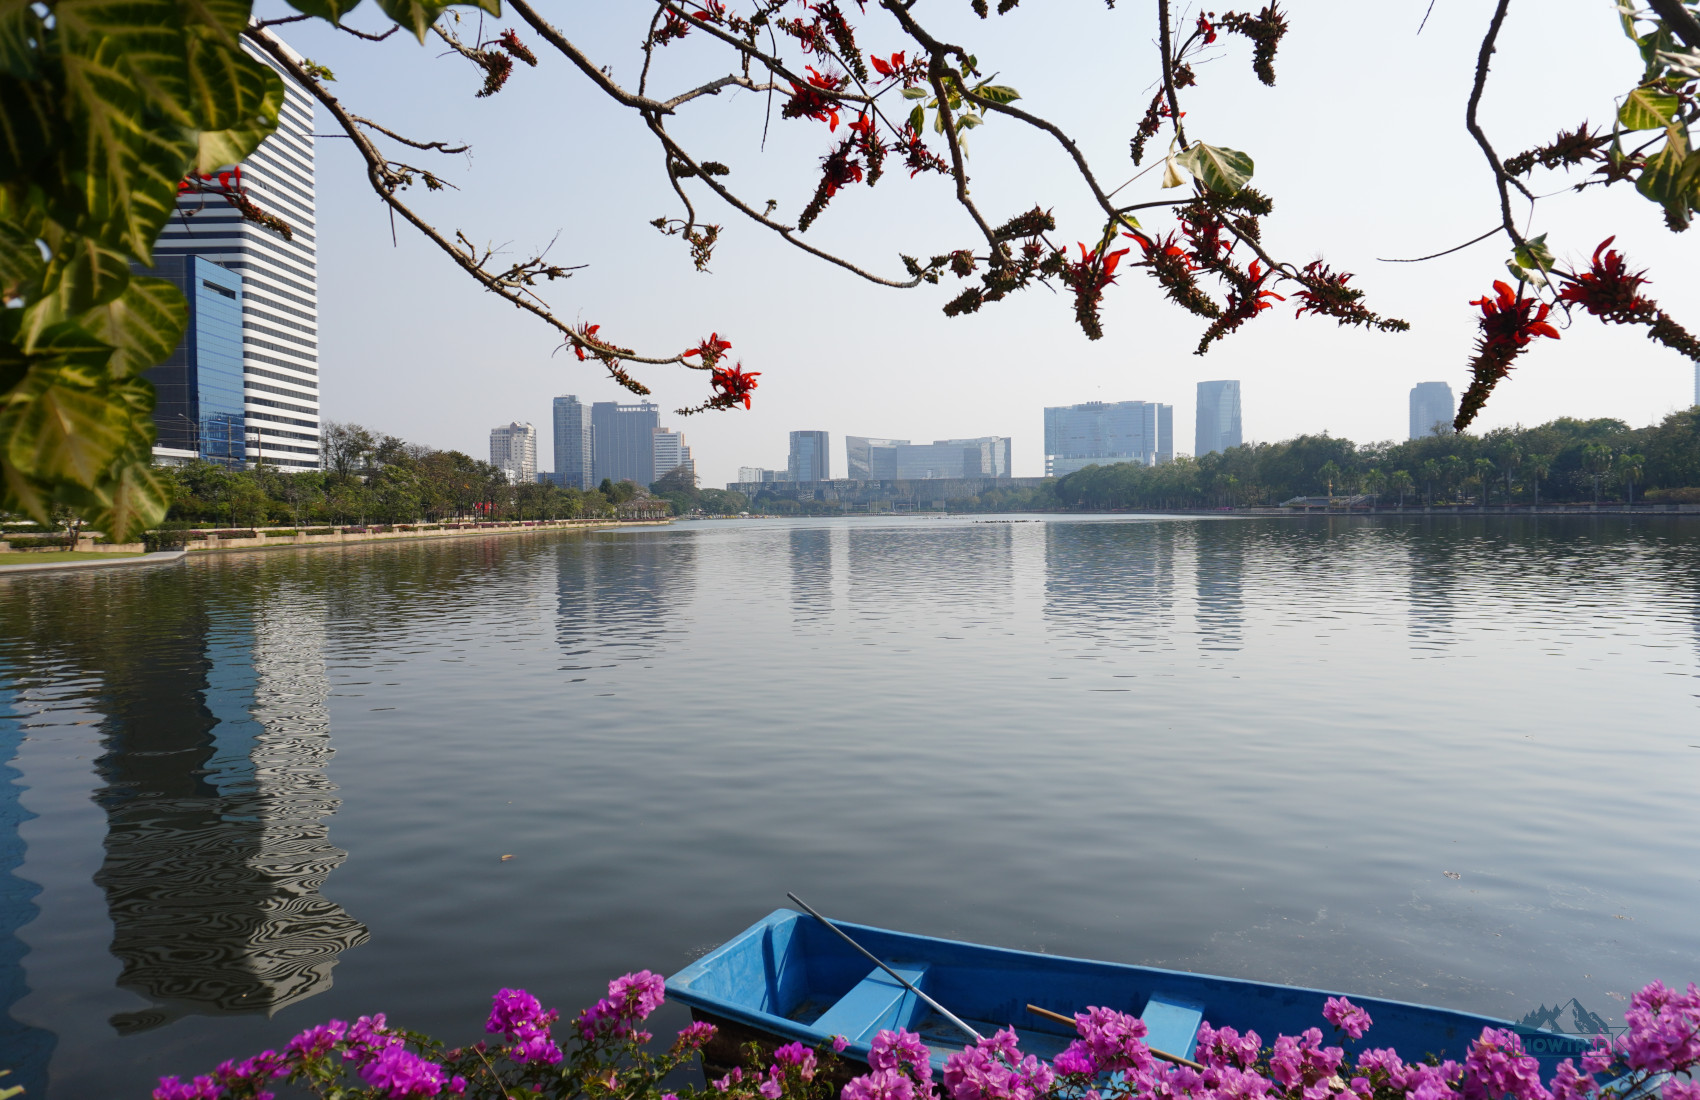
(574, 443)
(809, 460)
(1431, 404)
(279, 294)
(1218, 425)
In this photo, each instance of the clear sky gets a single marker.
(1361, 144)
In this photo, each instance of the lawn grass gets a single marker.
(39, 557)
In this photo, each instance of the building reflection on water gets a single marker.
(619, 595)
(215, 735)
(1111, 584)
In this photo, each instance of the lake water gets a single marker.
(1448, 761)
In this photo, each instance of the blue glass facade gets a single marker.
(1103, 433)
(1218, 424)
(199, 386)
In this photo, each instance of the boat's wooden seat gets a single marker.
(1171, 1023)
(876, 1002)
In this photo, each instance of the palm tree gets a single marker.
(1374, 482)
(1629, 466)
(1538, 466)
(1430, 469)
(1484, 476)
(1329, 473)
(1452, 468)
(1597, 457)
(1400, 482)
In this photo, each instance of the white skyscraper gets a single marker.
(671, 452)
(513, 450)
(280, 285)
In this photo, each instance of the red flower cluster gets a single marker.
(1207, 29)
(710, 349)
(807, 101)
(734, 383)
(1087, 279)
(509, 41)
(1608, 289)
(1508, 323)
(1511, 321)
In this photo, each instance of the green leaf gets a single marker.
(21, 262)
(138, 500)
(997, 93)
(28, 119)
(262, 89)
(1222, 170)
(918, 118)
(21, 34)
(916, 92)
(1671, 175)
(128, 145)
(418, 15)
(145, 325)
(1533, 260)
(63, 432)
(1647, 109)
(331, 10)
(967, 121)
(231, 90)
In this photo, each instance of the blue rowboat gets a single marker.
(789, 977)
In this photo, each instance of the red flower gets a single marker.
(589, 333)
(1513, 321)
(888, 68)
(1608, 289)
(1207, 30)
(1508, 323)
(808, 102)
(734, 384)
(710, 349)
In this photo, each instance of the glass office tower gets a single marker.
(624, 441)
(1218, 425)
(280, 285)
(809, 459)
(198, 410)
(574, 438)
(1431, 404)
(868, 459)
(1103, 433)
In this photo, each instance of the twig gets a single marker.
(1483, 59)
(1448, 252)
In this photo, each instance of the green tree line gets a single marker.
(1564, 461)
(370, 477)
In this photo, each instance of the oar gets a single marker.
(936, 1007)
(1072, 1022)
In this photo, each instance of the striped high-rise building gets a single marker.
(279, 294)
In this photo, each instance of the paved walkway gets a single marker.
(97, 563)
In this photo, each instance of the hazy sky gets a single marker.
(1361, 144)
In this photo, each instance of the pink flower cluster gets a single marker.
(995, 1069)
(631, 998)
(520, 1018)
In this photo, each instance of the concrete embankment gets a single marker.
(272, 538)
